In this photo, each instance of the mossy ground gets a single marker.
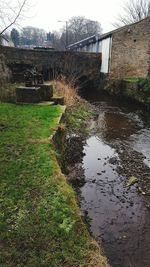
(143, 88)
(78, 118)
(40, 221)
(131, 79)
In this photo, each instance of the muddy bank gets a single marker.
(100, 164)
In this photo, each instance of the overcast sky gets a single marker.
(46, 13)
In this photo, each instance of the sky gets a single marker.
(46, 13)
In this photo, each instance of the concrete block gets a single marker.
(59, 100)
(46, 92)
(27, 94)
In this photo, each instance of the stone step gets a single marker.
(38, 94)
(59, 100)
(45, 103)
(27, 94)
(46, 92)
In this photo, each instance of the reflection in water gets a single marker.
(115, 125)
(119, 216)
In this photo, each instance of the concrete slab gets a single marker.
(46, 92)
(46, 103)
(27, 94)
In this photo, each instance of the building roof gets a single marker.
(86, 41)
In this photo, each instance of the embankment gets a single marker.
(137, 89)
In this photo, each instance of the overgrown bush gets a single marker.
(78, 111)
(144, 84)
(66, 89)
(7, 92)
(144, 87)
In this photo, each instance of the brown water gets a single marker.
(118, 147)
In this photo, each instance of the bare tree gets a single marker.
(32, 36)
(79, 28)
(10, 13)
(133, 11)
(56, 41)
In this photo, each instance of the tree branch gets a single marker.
(15, 19)
(133, 11)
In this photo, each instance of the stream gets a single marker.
(117, 148)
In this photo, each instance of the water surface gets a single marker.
(117, 148)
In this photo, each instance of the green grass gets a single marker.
(40, 222)
(78, 117)
(132, 79)
(143, 87)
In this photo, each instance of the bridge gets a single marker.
(51, 63)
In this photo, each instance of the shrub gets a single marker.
(66, 89)
(144, 85)
(7, 92)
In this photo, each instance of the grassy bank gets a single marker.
(40, 221)
(78, 112)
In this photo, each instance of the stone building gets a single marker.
(125, 51)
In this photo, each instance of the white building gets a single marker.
(124, 51)
(96, 44)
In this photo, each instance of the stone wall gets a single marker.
(52, 63)
(5, 74)
(130, 54)
(130, 90)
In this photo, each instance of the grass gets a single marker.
(78, 117)
(143, 87)
(132, 79)
(40, 221)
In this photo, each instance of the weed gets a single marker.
(7, 92)
(67, 90)
(77, 110)
(132, 79)
(144, 88)
(144, 84)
